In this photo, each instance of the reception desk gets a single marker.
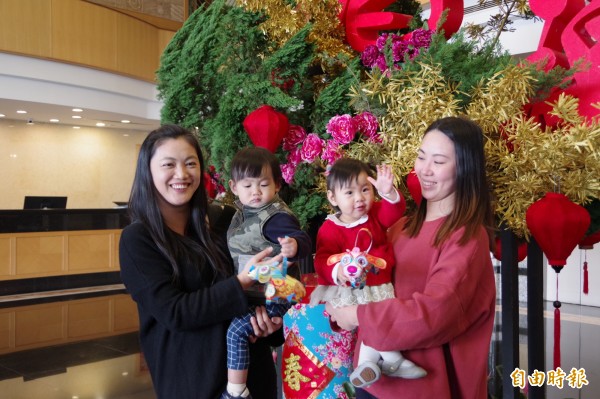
(51, 249)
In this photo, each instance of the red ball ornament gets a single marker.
(557, 224)
(266, 127)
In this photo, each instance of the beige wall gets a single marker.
(92, 166)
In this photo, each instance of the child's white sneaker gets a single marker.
(365, 374)
(403, 368)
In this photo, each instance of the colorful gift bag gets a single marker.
(316, 361)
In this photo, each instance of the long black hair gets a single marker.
(199, 243)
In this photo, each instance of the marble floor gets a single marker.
(111, 367)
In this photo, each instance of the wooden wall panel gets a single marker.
(24, 27)
(164, 37)
(116, 239)
(40, 255)
(84, 33)
(136, 49)
(34, 326)
(40, 325)
(125, 314)
(5, 256)
(89, 319)
(90, 251)
(56, 253)
(6, 330)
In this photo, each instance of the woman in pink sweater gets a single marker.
(443, 314)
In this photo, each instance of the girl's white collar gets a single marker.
(335, 219)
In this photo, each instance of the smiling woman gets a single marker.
(176, 266)
(176, 173)
(443, 282)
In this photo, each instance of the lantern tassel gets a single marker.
(585, 278)
(557, 306)
(557, 337)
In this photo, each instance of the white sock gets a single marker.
(367, 353)
(236, 389)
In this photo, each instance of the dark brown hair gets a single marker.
(252, 161)
(472, 206)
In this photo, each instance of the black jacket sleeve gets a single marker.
(147, 276)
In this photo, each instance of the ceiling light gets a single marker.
(125, 121)
(100, 124)
(21, 111)
(77, 110)
(76, 127)
(54, 120)
(2, 115)
(76, 117)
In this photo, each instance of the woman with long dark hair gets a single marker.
(179, 272)
(443, 314)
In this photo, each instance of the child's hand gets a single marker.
(385, 181)
(244, 278)
(342, 279)
(289, 246)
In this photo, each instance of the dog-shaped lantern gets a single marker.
(356, 262)
(280, 287)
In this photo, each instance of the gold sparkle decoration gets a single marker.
(564, 160)
(284, 21)
(411, 101)
(524, 161)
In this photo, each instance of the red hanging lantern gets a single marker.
(557, 224)
(414, 187)
(521, 250)
(266, 127)
(588, 241)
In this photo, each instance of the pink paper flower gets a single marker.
(295, 135)
(421, 37)
(332, 152)
(342, 128)
(294, 157)
(287, 172)
(369, 56)
(312, 147)
(381, 41)
(367, 124)
(403, 48)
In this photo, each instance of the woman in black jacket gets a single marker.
(179, 272)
